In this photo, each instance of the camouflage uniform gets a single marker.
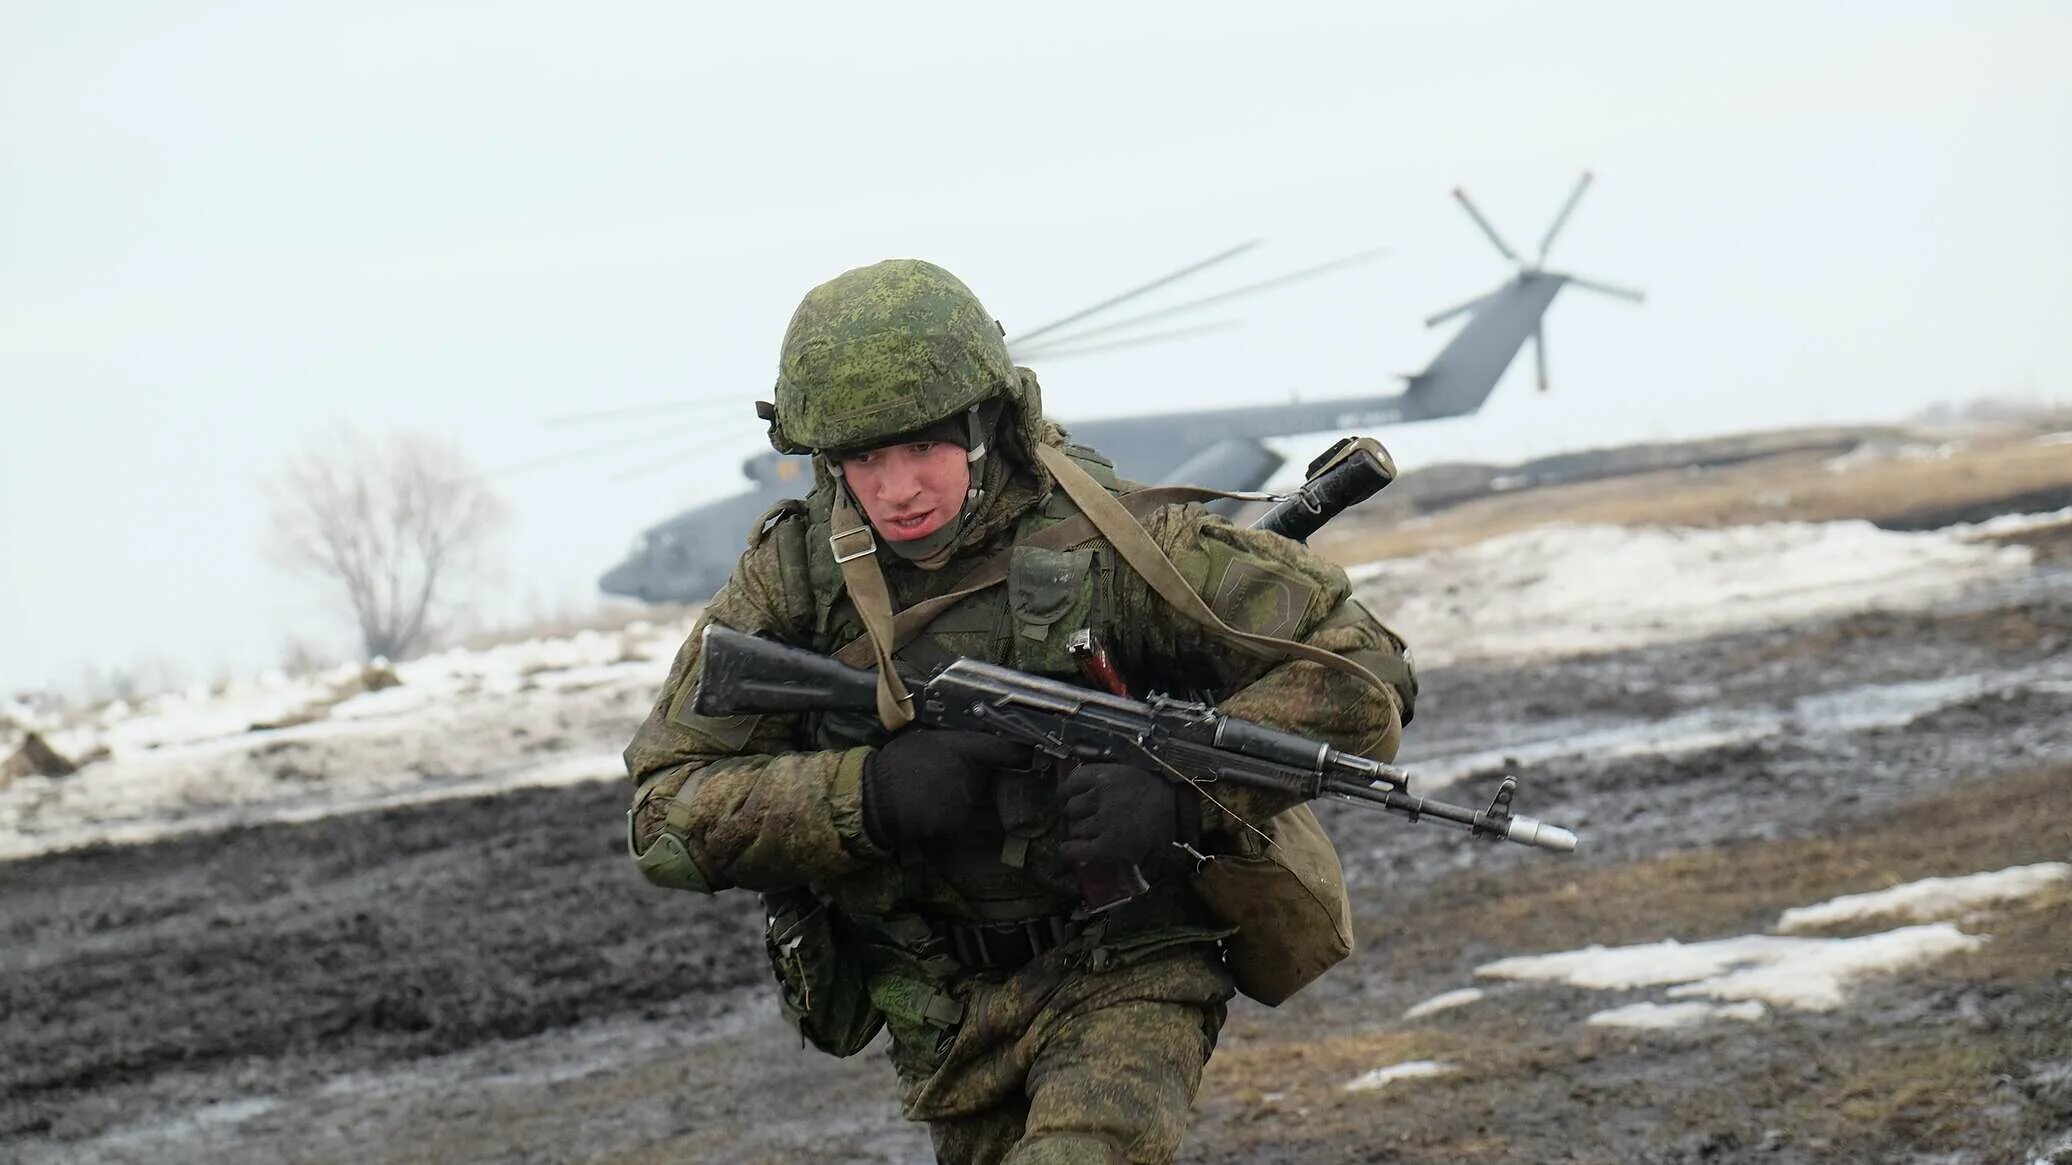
(1091, 1050)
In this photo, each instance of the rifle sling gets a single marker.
(1130, 540)
(1119, 520)
(873, 601)
(909, 623)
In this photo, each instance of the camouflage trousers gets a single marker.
(1060, 1064)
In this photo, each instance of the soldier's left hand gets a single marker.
(1121, 813)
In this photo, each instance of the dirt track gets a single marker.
(489, 980)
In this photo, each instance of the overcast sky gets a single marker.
(224, 226)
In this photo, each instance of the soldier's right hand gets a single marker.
(927, 783)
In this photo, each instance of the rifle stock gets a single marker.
(745, 675)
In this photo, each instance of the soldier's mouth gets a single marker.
(915, 526)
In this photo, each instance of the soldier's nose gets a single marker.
(899, 485)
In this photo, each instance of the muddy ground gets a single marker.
(489, 979)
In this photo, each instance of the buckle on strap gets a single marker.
(870, 545)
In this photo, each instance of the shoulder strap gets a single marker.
(1117, 520)
(873, 599)
(1122, 529)
(993, 571)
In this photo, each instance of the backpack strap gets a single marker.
(909, 624)
(1119, 520)
(856, 552)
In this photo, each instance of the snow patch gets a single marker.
(1930, 898)
(1564, 589)
(1445, 1002)
(1806, 973)
(1667, 1016)
(2005, 525)
(2057, 1152)
(460, 724)
(1383, 1077)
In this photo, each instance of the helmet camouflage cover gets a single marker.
(884, 350)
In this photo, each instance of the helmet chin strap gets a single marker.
(922, 550)
(928, 550)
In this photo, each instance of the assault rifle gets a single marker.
(1192, 742)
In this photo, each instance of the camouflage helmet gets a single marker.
(884, 350)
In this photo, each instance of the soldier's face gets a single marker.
(909, 491)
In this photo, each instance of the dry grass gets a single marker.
(2010, 821)
(1855, 1094)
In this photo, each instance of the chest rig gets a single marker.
(1024, 621)
(1053, 574)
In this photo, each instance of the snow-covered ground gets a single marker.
(1750, 972)
(459, 723)
(1554, 590)
(558, 710)
(1741, 978)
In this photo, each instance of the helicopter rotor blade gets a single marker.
(1064, 351)
(629, 411)
(1475, 214)
(1609, 289)
(1567, 208)
(579, 454)
(676, 458)
(1204, 301)
(552, 459)
(1142, 289)
(1435, 320)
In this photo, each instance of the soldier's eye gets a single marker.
(921, 448)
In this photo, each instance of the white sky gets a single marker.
(223, 226)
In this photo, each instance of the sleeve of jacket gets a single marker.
(731, 801)
(1269, 585)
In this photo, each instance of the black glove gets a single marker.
(1124, 814)
(930, 782)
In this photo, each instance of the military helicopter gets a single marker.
(686, 558)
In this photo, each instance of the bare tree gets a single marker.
(389, 526)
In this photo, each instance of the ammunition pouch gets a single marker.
(1288, 902)
(824, 984)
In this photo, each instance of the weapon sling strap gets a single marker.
(909, 623)
(1130, 540)
(1117, 519)
(856, 552)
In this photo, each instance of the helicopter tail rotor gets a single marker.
(1475, 214)
(1561, 219)
(1612, 289)
(1532, 271)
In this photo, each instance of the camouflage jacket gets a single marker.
(773, 802)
